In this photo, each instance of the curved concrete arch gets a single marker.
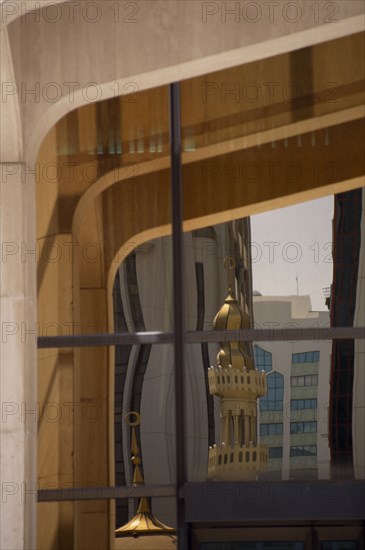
(248, 206)
(112, 177)
(73, 80)
(10, 11)
(11, 142)
(123, 173)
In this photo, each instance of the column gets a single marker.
(18, 392)
(235, 431)
(247, 429)
(254, 428)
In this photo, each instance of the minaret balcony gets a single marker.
(237, 463)
(236, 383)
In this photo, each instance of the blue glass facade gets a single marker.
(273, 400)
(263, 359)
(306, 357)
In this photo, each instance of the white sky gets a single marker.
(298, 243)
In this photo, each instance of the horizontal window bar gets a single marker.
(117, 339)
(196, 337)
(319, 499)
(105, 493)
(217, 502)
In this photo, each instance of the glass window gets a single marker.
(273, 400)
(303, 450)
(306, 357)
(274, 428)
(275, 452)
(299, 404)
(264, 429)
(263, 359)
(339, 545)
(253, 545)
(307, 380)
(303, 427)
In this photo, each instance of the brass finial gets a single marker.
(135, 459)
(230, 265)
(144, 522)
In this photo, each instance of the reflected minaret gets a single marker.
(238, 385)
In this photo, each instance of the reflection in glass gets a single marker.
(298, 404)
(303, 450)
(293, 416)
(303, 427)
(346, 418)
(339, 545)
(252, 545)
(273, 400)
(275, 452)
(307, 357)
(263, 359)
(144, 378)
(271, 429)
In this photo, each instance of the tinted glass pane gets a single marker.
(275, 545)
(340, 545)
(155, 426)
(281, 270)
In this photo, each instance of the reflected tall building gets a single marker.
(347, 410)
(144, 374)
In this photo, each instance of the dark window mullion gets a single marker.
(178, 288)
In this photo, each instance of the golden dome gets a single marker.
(232, 317)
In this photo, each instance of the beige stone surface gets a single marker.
(10, 128)
(18, 433)
(155, 49)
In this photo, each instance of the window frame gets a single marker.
(189, 495)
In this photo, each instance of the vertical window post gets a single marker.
(178, 288)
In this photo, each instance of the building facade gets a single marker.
(294, 413)
(271, 114)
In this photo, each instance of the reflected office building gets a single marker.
(294, 413)
(347, 403)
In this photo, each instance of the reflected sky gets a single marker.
(291, 250)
